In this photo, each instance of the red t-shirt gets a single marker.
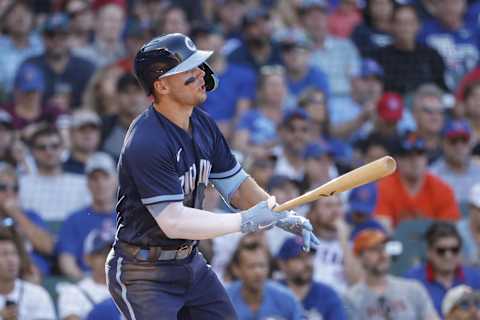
(434, 200)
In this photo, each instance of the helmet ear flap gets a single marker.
(211, 80)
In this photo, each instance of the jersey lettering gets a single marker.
(189, 177)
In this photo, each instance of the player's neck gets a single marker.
(178, 114)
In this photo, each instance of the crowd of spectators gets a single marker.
(309, 89)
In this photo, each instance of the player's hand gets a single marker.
(261, 217)
(300, 226)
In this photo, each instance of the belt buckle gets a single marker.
(183, 251)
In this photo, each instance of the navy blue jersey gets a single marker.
(161, 162)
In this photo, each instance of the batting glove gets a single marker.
(261, 217)
(300, 226)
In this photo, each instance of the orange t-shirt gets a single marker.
(434, 200)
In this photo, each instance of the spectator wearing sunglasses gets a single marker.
(461, 303)
(413, 192)
(380, 295)
(30, 226)
(444, 268)
(50, 191)
(457, 167)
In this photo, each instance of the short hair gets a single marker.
(44, 130)
(439, 230)
(127, 80)
(428, 90)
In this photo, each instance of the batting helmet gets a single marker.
(168, 55)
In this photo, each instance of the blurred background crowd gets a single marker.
(309, 89)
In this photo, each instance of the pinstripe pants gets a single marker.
(177, 289)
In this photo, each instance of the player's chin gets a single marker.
(201, 97)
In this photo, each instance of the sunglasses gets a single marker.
(457, 140)
(432, 110)
(443, 251)
(10, 187)
(45, 147)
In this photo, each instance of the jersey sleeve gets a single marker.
(224, 164)
(151, 166)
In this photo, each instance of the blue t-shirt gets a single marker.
(262, 130)
(315, 78)
(243, 56)
(40, 261)
(278, 302)
(237, 82)
(458, 48)
(76, 228)
(105, 310)
(322, 302)
(161, 162)
(465, 275)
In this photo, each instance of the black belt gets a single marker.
(156, 253)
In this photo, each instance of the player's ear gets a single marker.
(161, 86)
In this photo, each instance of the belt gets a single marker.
(156, 253)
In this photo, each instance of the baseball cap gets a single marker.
(316, 150)
(85, 117)
(56, 22)
(390, 107)
(408, 143)
(97, 241)
(100, 161)
(474, 196)
(370, 68)
(296, 113)
(6, 119)
(29, 78)
(368, 238)
(291, 248)
(363, 199)
(454, 296)
(292, 38)
(457, 128)
(279, 181)
(254, 15)
(307, 5)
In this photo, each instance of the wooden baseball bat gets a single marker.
(367, 173)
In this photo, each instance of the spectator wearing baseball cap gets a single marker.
(456, 166)
(390, 110)
(84, 140)
(319, 165)
(59, 66)
(344, 18)
(379, 293)
(294, 132)
(353, 116)
(297, 266)
(408, 63)
(296, 49)
(256, 48)
(461, 303)
(412, 191)
(77, 300)
(100, 214)
(469, 227)
(361, 205)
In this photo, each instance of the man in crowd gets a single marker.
(75, 301)
(84, 140)
(456, 166)
(102, 183)
(319, 300)
(254, 296)
(50, 191)
(444, 268)
(469, 228)
(413, 192)
(380, 295)
(19, 299)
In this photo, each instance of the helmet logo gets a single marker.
(190, 45)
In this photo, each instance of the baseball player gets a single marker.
(170, 153)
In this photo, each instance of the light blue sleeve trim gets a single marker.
(157, 208)
(228, 186)
(163, 198)
(226, 174)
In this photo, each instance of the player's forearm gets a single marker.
(179, 222)
(248, 194)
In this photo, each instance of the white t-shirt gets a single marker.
(33, 301)
(76, 299)
(328, 267)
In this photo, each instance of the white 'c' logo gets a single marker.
(189, 43)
